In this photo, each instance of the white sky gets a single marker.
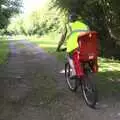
(30, 5)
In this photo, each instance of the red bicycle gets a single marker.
(88, 60)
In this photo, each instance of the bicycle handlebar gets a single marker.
(62, 50)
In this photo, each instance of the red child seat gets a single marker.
(88, 46)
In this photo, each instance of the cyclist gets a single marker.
(73, 29)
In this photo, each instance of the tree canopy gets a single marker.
(7, 9)
(102, 16)
(39, 22)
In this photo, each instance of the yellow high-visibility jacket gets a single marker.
(74, 29)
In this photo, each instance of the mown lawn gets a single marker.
(4, 50)
(108, 77)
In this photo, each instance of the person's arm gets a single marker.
(62, 40)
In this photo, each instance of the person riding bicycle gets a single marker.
(73, 29)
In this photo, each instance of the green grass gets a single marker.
(49, 44)
(108, 77)
(4, 50)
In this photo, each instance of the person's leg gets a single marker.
(69, 58)
(77, 64)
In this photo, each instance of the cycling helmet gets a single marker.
(73, 17)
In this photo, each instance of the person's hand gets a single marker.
(63, 49)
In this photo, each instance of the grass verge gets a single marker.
(4, 50)
(49, 44)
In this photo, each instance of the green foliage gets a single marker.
(101, 15)
(4, 50)
(7, 9)
(40, 22)
(16, 26)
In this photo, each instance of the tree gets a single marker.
(7, 9)
(40, 21)
(102, 16)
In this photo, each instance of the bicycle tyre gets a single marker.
(68, 80)
(85, 81)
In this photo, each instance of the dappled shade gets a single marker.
(102, 16)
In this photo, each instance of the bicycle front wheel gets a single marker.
(72, 83)
(89, 90)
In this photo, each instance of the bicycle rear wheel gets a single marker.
(89, 90)
(72, 83)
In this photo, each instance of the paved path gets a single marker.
(32, 88)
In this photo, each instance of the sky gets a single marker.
(30, 5)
